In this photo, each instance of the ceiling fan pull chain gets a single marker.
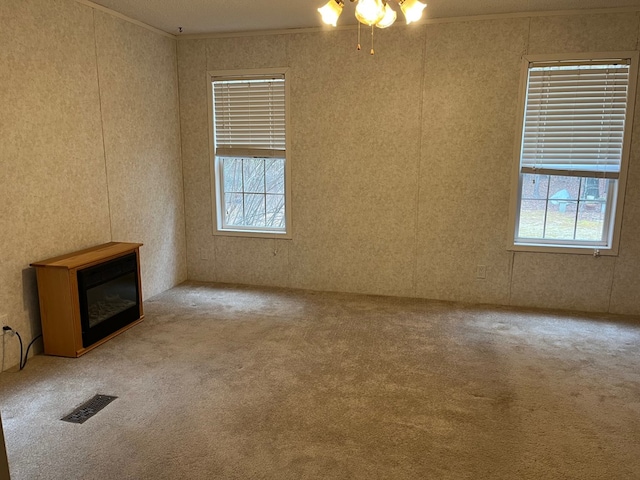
(372, 51)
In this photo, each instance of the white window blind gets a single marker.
(249, 117)
(574, 118)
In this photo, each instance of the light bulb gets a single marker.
(331, 12)
(412, 10)
(370, 12)
(390, 16)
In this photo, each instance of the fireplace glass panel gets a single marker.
(109, 299)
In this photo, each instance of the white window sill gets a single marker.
(566, 249)
(252, 234)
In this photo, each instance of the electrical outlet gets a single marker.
(481, 272)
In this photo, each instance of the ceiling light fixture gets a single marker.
(412, 10)
(373, 13)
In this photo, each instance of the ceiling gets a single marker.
(219, 16)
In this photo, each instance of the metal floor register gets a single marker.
(88, 409)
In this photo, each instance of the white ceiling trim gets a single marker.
(471, 18)
(431, 21)
(119, 15)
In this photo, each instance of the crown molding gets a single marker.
(113, 13)
(294, 31)
(430, 21)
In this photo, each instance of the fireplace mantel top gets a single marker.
(88, 255)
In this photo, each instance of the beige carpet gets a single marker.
(224, 382)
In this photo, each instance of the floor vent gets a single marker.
(88, 409)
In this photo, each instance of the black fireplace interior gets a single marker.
(109, 297)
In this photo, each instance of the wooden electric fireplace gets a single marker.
(89, 297)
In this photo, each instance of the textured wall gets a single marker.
(471, 82)
(59, 190)
(139, 98)
(402, 165)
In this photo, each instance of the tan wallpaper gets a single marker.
(402, 165)
(59, 192)
(139, 98)
(471, 82)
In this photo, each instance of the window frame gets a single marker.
(617, 198)
(215, 169)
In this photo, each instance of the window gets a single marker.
(573, 153)
(249, 153)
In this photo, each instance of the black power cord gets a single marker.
(26, 355)
(23, 360)
(19, 338)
